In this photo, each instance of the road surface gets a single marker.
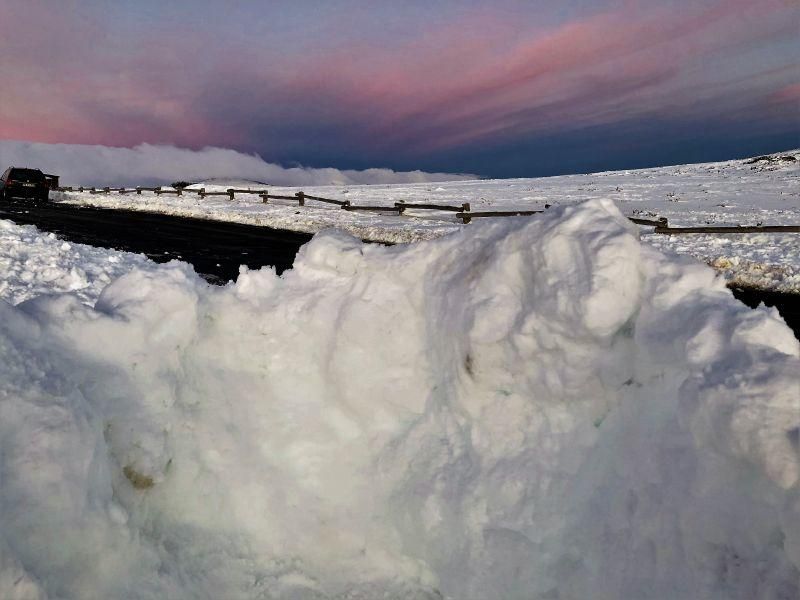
(215, 248)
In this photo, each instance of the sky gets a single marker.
(507, 88)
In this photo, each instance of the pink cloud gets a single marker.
(482, 78)
(584, 72)
(73, 79)
(789, 94)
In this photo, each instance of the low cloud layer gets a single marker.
(148, 164)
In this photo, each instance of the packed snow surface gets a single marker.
(34, 263)
(529, 408)
(738, 192)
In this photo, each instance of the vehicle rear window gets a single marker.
(26, 175)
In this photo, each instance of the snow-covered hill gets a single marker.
(739, 192)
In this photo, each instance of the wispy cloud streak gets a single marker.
(476, 79)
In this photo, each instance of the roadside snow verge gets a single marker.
(33, 263)
(529, 408)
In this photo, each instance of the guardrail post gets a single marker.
(465, 207)
(230, 193)
(401, 206)
(138, 190)
(301, 198)
(202, 192)
(264, 196)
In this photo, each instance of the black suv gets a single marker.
(23, 183)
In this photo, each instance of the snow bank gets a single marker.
(533, 408)
(33, 263)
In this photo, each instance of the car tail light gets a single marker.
(9, 181)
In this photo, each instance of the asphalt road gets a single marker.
(788, 305)
(216, 248)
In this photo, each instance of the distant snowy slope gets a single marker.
(530, 408)
(229, 182)
(739, 192)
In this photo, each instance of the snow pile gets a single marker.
(531, 408)
(751, 260)
(34, 263)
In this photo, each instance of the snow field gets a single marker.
(529, 408)
(729, 193)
